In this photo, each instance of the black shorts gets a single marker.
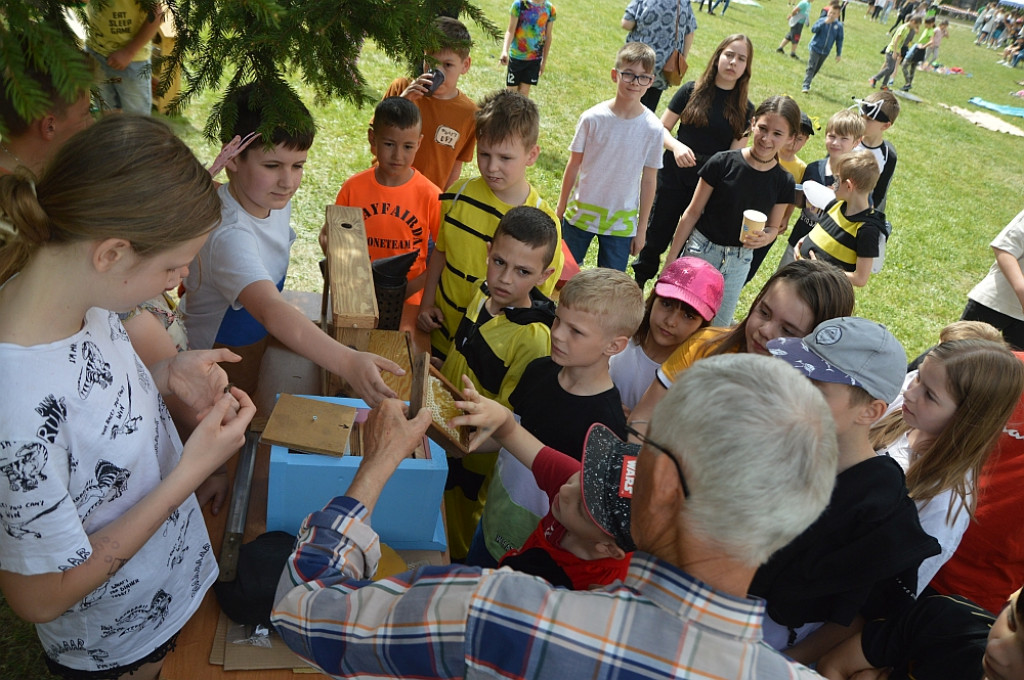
(522, 72)
(794, 33)
(112, 673)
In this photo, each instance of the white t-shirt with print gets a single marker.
(243, 249)
(84, 436)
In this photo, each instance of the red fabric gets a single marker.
(988, 565)
(569, 269)
(552, 469)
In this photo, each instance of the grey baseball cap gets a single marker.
(851, 351)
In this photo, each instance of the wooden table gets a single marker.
(191, 659)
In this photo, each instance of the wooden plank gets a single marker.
(310, 425)
(354, 304)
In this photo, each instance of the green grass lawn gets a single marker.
(955, 187)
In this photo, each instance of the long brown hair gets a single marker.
(985, 380)
(695, 114)
(824, 288)
(124, 177)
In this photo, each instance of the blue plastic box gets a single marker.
(408, 514)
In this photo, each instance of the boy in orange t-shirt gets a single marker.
(401, 208)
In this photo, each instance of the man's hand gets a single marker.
(388, 439)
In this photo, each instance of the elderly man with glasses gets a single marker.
(740, 459)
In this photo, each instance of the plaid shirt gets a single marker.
(452, 622)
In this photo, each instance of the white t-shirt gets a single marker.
(994, 291)
(932, 514)
(632, 372)
(615, 152)
(242, 250)
(84, 436)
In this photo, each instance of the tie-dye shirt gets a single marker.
(528, 42)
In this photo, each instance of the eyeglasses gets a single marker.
(630, 77)
(655, 445)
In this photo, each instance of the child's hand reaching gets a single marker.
(429, 318)
(486, 415)
(362, 372)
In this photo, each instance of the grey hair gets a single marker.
(758, 447)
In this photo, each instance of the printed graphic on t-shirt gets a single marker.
(140, 617)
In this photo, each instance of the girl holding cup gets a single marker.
(735, 181)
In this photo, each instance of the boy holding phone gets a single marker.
(449, 126)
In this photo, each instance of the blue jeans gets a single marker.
(719, 2)
(732, 261)
(612, 252)
(129, 90)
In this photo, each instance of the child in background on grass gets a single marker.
(685, 298)
(998, 299)
(942, 433)
(730, 183)
(798, 18)
(843, 133)
(931, 54)
(616, 141)
(916, 54)
(506, 326)
(448, 114)
(558, 398)
(234, 299)
(849, 231)
(527, 42)
(104, 545)
(879, 111)
(828, 31)
(508, 125)
(895, 52)
(583, 541)
(401, 208)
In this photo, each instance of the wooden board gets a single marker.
(393, 345)
(353, 301)
(310, 425)
(429, 386)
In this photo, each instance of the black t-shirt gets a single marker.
(859, 557)
(738, 187)
(939, 637)
(809, 215)
(705, 142)
(556, 417)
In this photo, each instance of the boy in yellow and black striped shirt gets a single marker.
(849, 232)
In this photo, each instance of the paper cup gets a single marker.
(753, 223)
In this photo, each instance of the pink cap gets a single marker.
(695, 282)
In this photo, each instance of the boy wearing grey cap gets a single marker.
(859, 560)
